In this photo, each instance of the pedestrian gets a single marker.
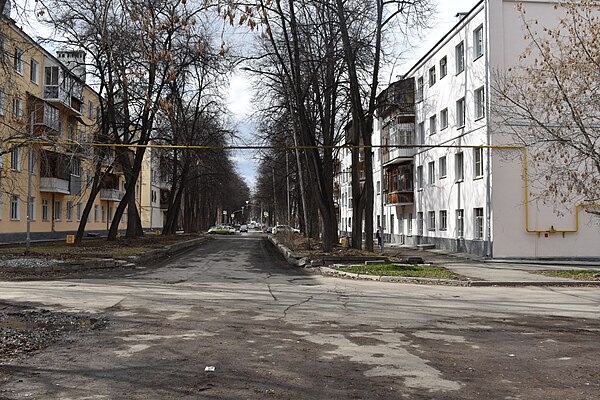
(379, 237)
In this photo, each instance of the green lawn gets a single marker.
(413, 271)
(579, 274)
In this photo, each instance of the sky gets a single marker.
(239, 97)
(240, 102)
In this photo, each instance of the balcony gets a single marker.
(63, 89)
(397, 155)
(111, 194)
(400, 198)
(54, 185)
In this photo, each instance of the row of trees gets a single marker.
(320, 65)
(160, 81)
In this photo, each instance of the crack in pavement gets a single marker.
(271, 291)
(295, 305)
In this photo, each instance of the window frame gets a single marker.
(34, 71)
(443, 67)
(478, 223)
(45, 210)
(442, 172)
(431, 173)
(459, 166)
(459, 57)
(477, 163)
(479, 103)
(460, 223)
(460, 113)
(431, 75)
(19, 62)
(15, 207)
(431, 220)
(15, 159)
(433, 124)
(478, 42)
(443, 220)
(444, 119)
(420, 223)
(419, 177)
(57, 210)
(420, 87)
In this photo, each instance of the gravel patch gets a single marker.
(26, 331)
(28, 262)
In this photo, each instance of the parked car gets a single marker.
(244, 228)
(282, 229)
(219, 230)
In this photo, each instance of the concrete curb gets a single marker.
(291, 258)
(88, 264)
(452, 282)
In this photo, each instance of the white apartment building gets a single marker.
(469, 190)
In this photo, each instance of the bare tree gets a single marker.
(551, 104)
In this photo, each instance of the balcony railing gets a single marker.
(111, 194)
(54, 185)
(400, 198)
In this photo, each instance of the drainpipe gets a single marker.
(487, 93)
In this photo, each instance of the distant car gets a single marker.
(251, 225)
(282, 229)
(219, 230)
(244, 228)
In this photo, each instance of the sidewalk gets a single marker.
(500, 272)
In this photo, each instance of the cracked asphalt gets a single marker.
(272, 331)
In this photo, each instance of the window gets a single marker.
(459, 54)
(18, 60)
(76, 167)
(479, 103)
(432, 76)
(34, 71)
(32, 161)
(15, 205)
(15, 159)
(443, 67)
(31, 209)
(45, 210)
(57, 210)
(69, 210)
(421, 133)
(420, 223)
(110, 212)
(103, 212)
(17, 107)
(443, 220)
(431, 174)
(459, 166)
(460, 113)
(78, 211)
(432, 124)
(444, 119)
(51, 76)
(2, 103)
(443, 171)
(478, 42)
(420, 177)
(90, 110)
(477, 162)
(460, 223)
(420, 89)
(409, 224)
(96, 213)
(478, 220)
(431, 221)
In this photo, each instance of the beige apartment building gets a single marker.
(46, 113)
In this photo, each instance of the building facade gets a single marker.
(464, 185)
(46, 113)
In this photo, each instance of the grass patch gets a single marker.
(578, 274)
(413, 271)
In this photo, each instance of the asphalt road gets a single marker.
(272, 331)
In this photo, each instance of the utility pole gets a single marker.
(30, 165)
